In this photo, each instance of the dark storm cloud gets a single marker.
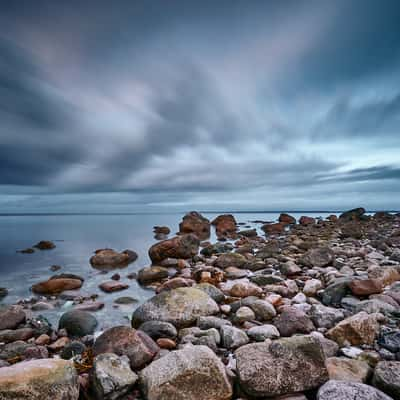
(190, 101)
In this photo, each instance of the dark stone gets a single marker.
(78, 323)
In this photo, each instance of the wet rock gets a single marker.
(287, 219)
(181, 307)
(250, 233)
(306, 221)
(26, 251)
(13, 350)
(59, 344)
(387, 378)
(212, 322)
(344, 369)
(355, 214)
(11, 317)
(244, 288)
(274, 229)
(3, 292)
(292, 320)
(366, 287)
(109, 258)
(38, 380)
(56, 286)
(163, 230)
(78, 323)
(125, 300)
(233, 337)
(184, 246)
(194, 222)
(45, 245)
(341, 390)
(165, 343)
(125, 341)
(113, 286)
(111, 376)
(225, 225)
(90, 306)
(152, 274)
(277, 368)
(230, 260)
(215, 293)
(318, 258)
(187, 374)
(159, 329)
(263, 332)
(11, 335)
(361, 328)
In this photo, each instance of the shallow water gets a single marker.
(76, 238)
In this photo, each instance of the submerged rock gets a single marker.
(181, 307)
(38, 380)
(194, 372)
(56, 286)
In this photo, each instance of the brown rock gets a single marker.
(245, 289)
(306, 221)
(109, 258)
(345, 369)
(113, 286)
(175, 283)
(161, 230)
(225, 225)
(11, 317)
(184, 246)
(365, 287)
(11, 335)
(194, 222)
(56, 286)
(45, 245)
(292, 321)
(165, 343)
(274, 229)
(287, 219)
(59, 344)
(42, 340)
(122, 340)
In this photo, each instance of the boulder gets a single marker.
(151, 274)
(230, 260)
(111, 376)
(341, 390)
(311, 287)
(233, 337)
(181, 307)
(361, 328)
(263, 332)
(387, 378)
(318, 258)
(366, 287)
(346, 369)
(56, 286)
(287, 219)
(159, 329)
(38, 380)
(194, 222)
(124, 341)
(292, 320)
(355, 214)
(184, 246)
(78, 323)
(109, 258)
(45, 245)
(325, 317)
(274, 229)
(11, 317)
(304, 220)
(225, 225)
(194, 372)
(275, 368)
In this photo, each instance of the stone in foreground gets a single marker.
(188, 374)
(277, 368)
(181, 307)
(39, 380)
(387, 378)
(78, 323)
(341, 390)
(111, 376)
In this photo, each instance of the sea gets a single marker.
(77, 236)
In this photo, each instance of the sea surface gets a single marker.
(76, 238)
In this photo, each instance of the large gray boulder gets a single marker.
(275, 368)
(181, 307)
(342, 390)
(39, 380)
(194, 372)
(387, 378)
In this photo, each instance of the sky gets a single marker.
(136, 106)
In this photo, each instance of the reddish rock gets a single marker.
(113, 286)
(56, 286)
(11, 317)
(225, 225)
(274, 229)
(194, 222)
(90, 306)
(184, 246)
(287, 219)
(245, 289)
(42, 340)
(306, 221)
(175, 283)
(161, 230)
(45, 245)
(109, 258)
(166, 343)
(122, 340)
(59, 344)
(332, 218)
(365, 287)
(292, 320)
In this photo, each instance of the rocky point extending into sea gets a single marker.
(308, 310)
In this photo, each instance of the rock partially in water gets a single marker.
(56, 286)
(111, 376)
(181, 307)
(11, 317)
(275, 368)
(194, 222)
(152, 274)
(159, 329)
(225, 226)
(194, 372)
(125, 341)
(113, 286)
(45, 245)
(38, 380)
(356, 214)
(184, 246)
(287, 219)
(110, 259)
(3, 292)
(78, 323)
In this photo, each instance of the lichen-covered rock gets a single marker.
(39, 380)
(361, 328)
(125, 341)
(181, 307)
(342, 390)
(277, 368)
(346, 369)
(184, 246)
(194, 372)
(111, 376)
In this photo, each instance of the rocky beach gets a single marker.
(294, 309)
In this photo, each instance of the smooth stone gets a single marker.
(78, 323)
(56, 286)
(152, 274)
(212, 322)
(159, 329)
(125, 300)
(11, 317)
(113, 286)
(263, 332)
(244, 314)
(110, 259)
(194, 372)
(233, 337)
(230, 260)
(11, 335)
(215, 293)
(318, 258)
(263, 309)
(325, 317)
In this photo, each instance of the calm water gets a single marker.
(76, 237)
